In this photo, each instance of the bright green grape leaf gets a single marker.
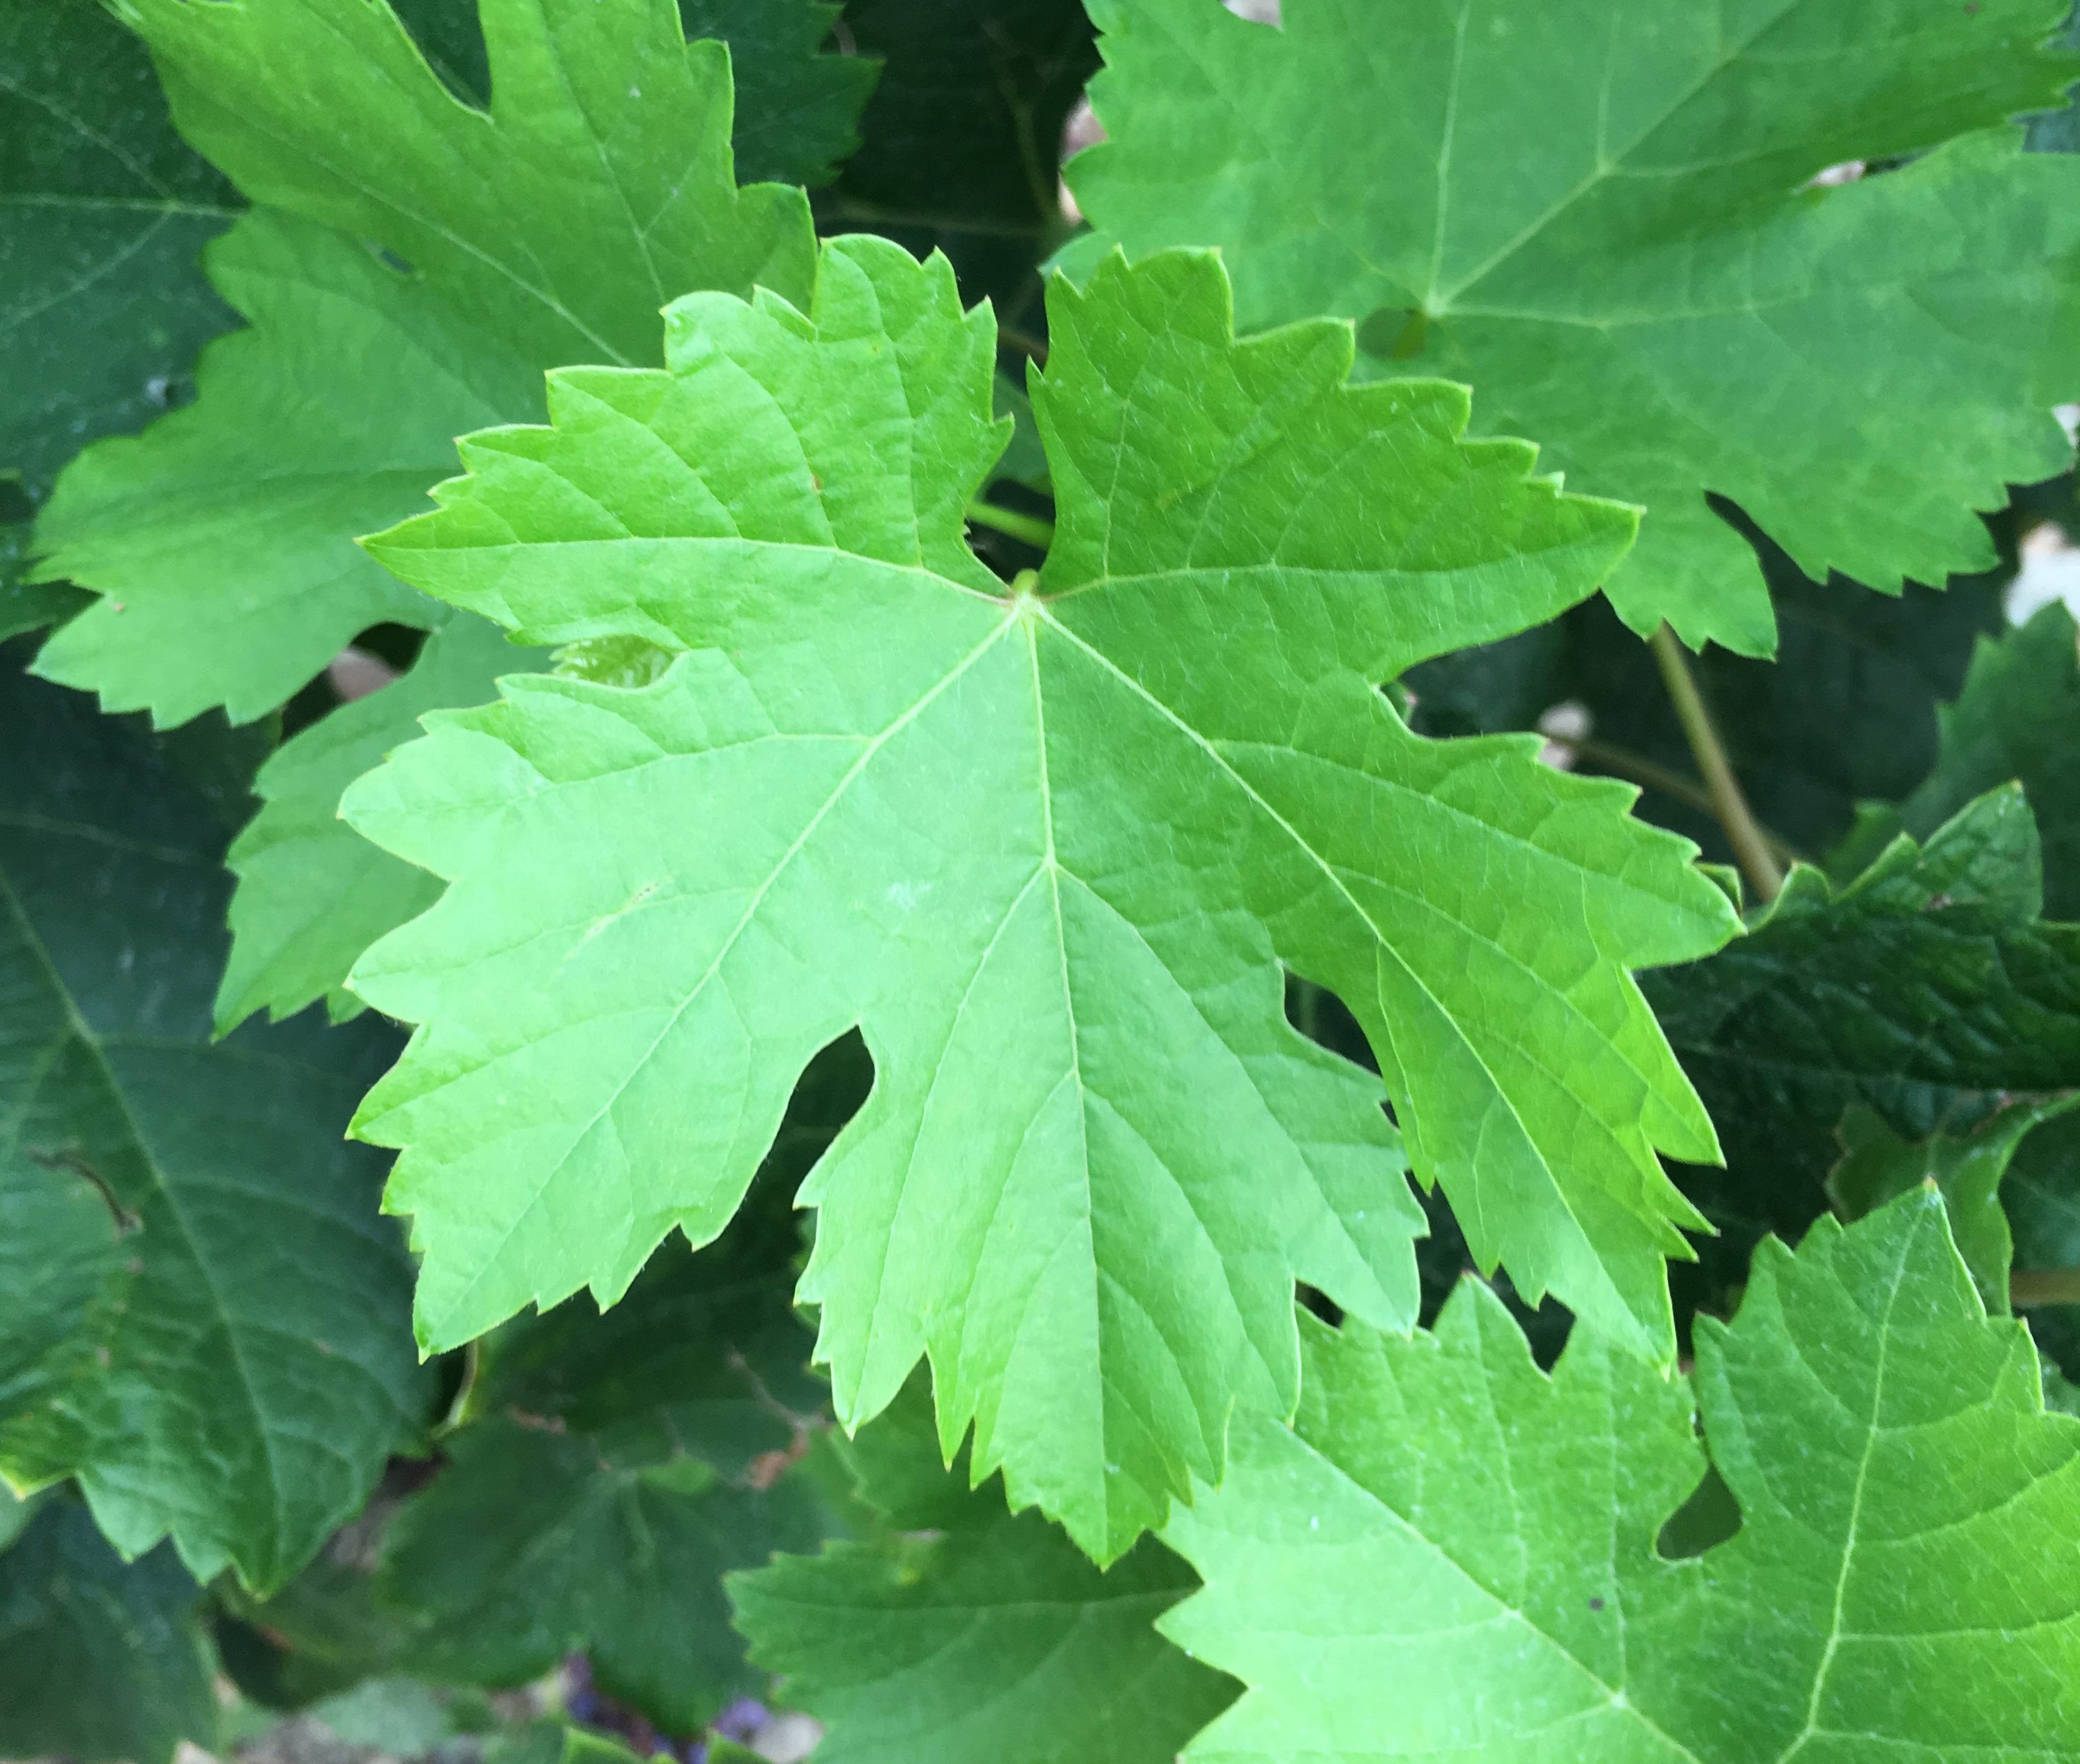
(989, 1635)
(102, 212)
(1453, 1554)
(881, 788)
(1600, 216)
(550, 230)
(206, 1315)
(962, 138)
(1878, 1165)
(313, 893)
(2018, 719)
(610, 1470)
(1929, 990)
(99, 1659)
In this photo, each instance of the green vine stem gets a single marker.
(2028, 1287)
(1751, 846)
(1029, 528)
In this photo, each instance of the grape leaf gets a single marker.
(99, 1659)
(1599, 216)
(597, 184)
(313, 893)
(611, 1469)
(989, 1635)
(550, 229)
(1928, 990)
(1878, 1165)
(102, 211)
(1454, 1555)
(222, 538)
(839, 808)
(206, 1316)
(2018, 719)
(323, 1633)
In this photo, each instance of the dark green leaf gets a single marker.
(611, 1468)
(99, 1659)
(2018, 720)
(991, 1636)
(104, 212)
(1928, 990)
(797, 109)
(1879, 1165)
(204, 1315)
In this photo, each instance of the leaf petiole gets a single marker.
(1029, 528)
(2031, 1287)
(1751, 846)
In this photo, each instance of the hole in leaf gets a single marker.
(16, 504)
(1394, 334)
(1708, 1519)
(451, 39)
(1318, 1303)
(1325, 1019)
(830, 1092)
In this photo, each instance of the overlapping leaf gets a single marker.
(964, 1630)
(1878, 1165)
(549, 228)
(1928, 990)
(610, 1470)
(1601, 215)
(222, 539)
(204, 1315)
(1048, 846)
(103, 213)
(1453, 1554)
(103, 307)
(99, 1659)
(313, 893)
(2017, 719)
